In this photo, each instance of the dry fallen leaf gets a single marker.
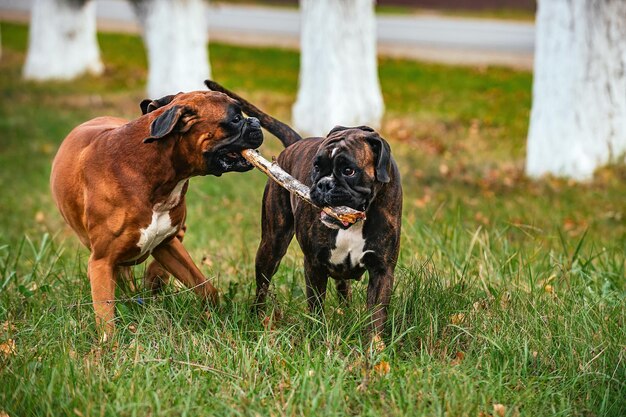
(4, 414)
(569, 224)
(134, 345)
(382, 368)
(499, 410)
(206, 260)
(444, 170)
(422, 202)
(284, 385)
(474, 128)
(356, 365)
(47, 148)
(458, 358)
(40, 217)
(8, 348)
(504, 300)
(479, 305)
(362, 387)
(378, 344)
(268, 323)
(481, 218)
(457, 318)
(6, 326)
(574, 227)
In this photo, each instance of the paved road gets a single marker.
(434, 38)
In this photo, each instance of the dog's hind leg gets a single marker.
(155, 277)
(276, 234)
(344, 290)
(125, 279)
(379, 291)
(316, 282)
(176, 260)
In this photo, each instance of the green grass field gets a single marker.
(509, 297)
(500, 13)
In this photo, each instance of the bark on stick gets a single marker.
(285, 180)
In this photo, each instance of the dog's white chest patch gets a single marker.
(160, 228)
(157, 231)
(349, 243)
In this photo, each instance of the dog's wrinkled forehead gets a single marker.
(205, 104)
(210, 104)
(352, 140)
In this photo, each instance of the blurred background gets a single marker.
(508, 123)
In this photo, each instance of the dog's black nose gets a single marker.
(254, 122)
(324, 185)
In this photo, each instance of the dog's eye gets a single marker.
(348, 172)
(316, 168)
(237, 118)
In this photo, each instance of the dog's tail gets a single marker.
(277, 128)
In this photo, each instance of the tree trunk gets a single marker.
(338, 68)
(62, 42)
(176, 34)
(578, 118)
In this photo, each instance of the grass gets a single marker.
(501, 13)
(509, 298)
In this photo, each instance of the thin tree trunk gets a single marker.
(176, 35)
(578, 118)
(338, 68)
(62, 41)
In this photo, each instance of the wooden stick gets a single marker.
(346, 215)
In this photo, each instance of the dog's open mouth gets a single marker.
(232, 160)
(333, 223)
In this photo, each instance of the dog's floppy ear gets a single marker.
(337, 129)
(340, 128)
(148, 105)
(164, 124)
(382, 150)
(144, 105)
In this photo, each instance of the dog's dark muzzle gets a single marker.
(252, 134)
(228, 158)
(326, 192)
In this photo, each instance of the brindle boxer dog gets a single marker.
(121, 185)
(349, 167)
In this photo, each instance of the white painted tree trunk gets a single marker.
(338, 68)
(578, 118)
(62, 42)
(176, 34)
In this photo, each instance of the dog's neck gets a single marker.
(166, 197)
(156, 164)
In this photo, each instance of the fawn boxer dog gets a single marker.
(121, 185)
(349, 167)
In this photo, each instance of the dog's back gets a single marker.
(67, 178)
